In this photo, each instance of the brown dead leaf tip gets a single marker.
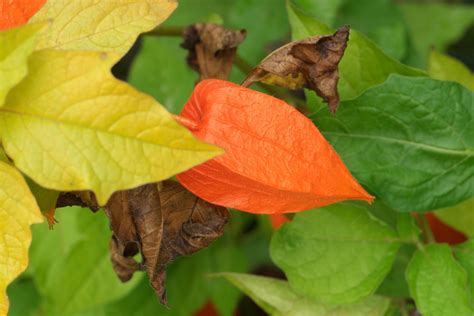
(162, 224)
(309, 63)
(211, 49)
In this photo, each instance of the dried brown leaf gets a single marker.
(311, 63)
(79, 198)
(119, 212)
(190, 223)
(144, 203)
(163, 221)
(211, 49)
(123, 266)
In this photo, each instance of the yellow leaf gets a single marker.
(18, 210)
(100, 25)
(16, 45)
(444, 67)
(3, 156)
(71, 126)
(460, 216)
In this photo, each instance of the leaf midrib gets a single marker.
(105, 131)
(421, 146)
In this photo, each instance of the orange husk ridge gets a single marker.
(275, 161)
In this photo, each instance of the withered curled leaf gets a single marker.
(211, 49)
(163, 222)
(123, 266)
(147, 216)
(309, 63)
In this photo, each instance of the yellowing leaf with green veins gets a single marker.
(16, 45)
(100, 25)
(71, 126)
(18, 210)
(444, 67)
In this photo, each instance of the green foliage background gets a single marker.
(334, 255)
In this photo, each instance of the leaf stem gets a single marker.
(426, 229)
(171, 31)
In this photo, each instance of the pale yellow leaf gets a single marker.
(16, 45)
(18, 210)
(71, 126)
(100, 25)
(444, 67)
(460, 216)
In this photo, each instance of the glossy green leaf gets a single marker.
(410, 141)
(435, 25)
(71, 264)
(16, 45)
(336, 254)
(438, 283)
(444, 67)
(278, 299)
(363, 64)
(460, 216)
(465, 255)
(87, 130)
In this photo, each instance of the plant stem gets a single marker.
(172, 31)
(426, 229)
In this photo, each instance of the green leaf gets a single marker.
(16, 45)
(460, 216)
(325, 11)
(438, 283)
(435, 25)
(106, 26)
(395, 284)
(18, 210)
(24, 298)
(407, 228)
(87, 130)
(444, 67)
(465, 255)
(277, 298)
(45, 198)
(336, 254)
(363, 64)
(71, 264)
(160, 70)
(188, 286)
(380, 20)
(409, 140)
